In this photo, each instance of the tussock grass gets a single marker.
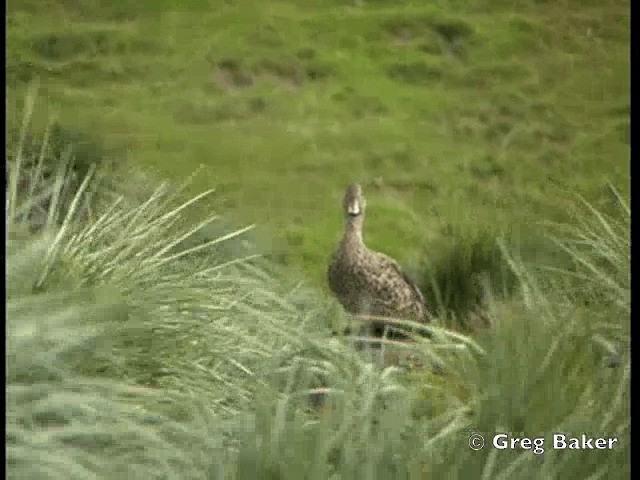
(132, 352)
(119, 306)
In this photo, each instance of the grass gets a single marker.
(173, 194)
(453, 115)
(131, 352)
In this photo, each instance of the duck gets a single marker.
(366, 282)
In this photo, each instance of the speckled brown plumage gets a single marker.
(368, 282)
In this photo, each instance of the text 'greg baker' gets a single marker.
(583, 442)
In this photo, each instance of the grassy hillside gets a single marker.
(455, 116)
(487, 135)
(133, 355)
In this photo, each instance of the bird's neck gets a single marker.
(352, 238)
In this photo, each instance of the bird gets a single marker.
(368, 282)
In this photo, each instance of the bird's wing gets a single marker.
(333, 272)
(391, 263)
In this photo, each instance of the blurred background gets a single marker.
(457, 117)
(156, 332)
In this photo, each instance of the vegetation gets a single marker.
(454, 115)
(154, 332)
(130, 354)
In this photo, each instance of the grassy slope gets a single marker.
(145, 84)
(131, 360)
(456, 114)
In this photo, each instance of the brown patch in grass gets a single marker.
(286, 72)
(230, 74)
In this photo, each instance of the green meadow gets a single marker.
(454, 116)
(174, 187)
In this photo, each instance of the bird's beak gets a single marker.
(353, 209)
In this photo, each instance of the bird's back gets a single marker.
(373, 283)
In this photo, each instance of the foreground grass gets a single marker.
(131, 353)
(147, 339)
(454, 115)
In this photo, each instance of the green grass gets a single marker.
(173, 194)
(133, 353)
(453, 115)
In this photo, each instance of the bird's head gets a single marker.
(354, 203)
